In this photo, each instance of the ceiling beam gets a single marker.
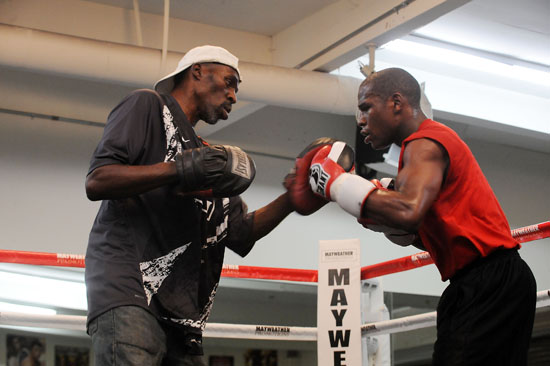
(341, 31)
(74, 57)
(80, 18)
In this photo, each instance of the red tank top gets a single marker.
(465, 221)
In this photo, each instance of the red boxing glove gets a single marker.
(386, 184)
(297, 181)
(328, 179)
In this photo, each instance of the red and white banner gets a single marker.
(339, 303)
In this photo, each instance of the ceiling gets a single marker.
(506, 30)
(309, 35)
(265, 17)
(517, 29)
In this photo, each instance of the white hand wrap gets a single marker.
(350, 192)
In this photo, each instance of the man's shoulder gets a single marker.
(431, 128)
(144, 95)
(433, 131)
(441, 135)
(430, 124)
(138, 101)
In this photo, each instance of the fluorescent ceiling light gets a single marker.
(465, 60)
(468, 85)
(16, 308)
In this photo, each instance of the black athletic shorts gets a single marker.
(485, 316)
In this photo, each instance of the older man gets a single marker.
(170, 206)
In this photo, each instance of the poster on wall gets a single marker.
(25, 351)
(260, 357)
(72, 356)
(220, 361)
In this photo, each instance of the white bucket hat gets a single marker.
(198, 55)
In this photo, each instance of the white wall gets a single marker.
(520, 180)
(43, 164)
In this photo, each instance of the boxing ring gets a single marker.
(268, 332)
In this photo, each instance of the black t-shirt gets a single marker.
(158, 250)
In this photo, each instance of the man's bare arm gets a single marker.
(120, 181)
(416, 187)
(271, 215)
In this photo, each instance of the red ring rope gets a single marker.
(270, 273)
(522, 235)
(42, 259)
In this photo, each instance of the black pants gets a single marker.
(485, 316)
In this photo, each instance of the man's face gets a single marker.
(36, 351)
(375, 118)
(220, 85)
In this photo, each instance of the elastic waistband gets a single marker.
(481, 261)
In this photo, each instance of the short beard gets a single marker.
(210, 116)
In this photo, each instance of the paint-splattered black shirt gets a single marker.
(157, 250)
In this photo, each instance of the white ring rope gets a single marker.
(400, 324)
(68, 322)
(270, 332)
(425, 320)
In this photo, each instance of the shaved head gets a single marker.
(389, 81)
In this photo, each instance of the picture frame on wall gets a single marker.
(25, 350)
(72, 356)
(220, 361)
(260, 357)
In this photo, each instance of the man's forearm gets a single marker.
(120, 181)
(271, 215)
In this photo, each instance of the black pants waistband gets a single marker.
(481, 261)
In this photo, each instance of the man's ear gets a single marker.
(397, 101)
(196, 71)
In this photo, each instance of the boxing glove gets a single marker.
(296, 182)
(384, 184)
(397, 236)
(215, 171)
(387, 184)
(303, 200)
(401, 237)
(328, 179)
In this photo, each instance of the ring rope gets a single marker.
(270, 273)
(266, 332)
(425, 320)
(522, 235)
